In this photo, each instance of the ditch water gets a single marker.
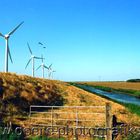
(121, 97)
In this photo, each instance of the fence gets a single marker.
(73, 116)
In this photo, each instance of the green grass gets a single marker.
(135, 109)
(133, 136)
(11, 136)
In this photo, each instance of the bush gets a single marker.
(133, 80)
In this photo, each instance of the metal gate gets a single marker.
(72, 116)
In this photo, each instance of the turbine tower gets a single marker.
(52, 73)
(32, 58)
(43, 66)
(49, 71)
(7, 50)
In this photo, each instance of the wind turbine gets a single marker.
(32, 58)
(52, 73)
(49, 71)
(7, 50)
(43, 66)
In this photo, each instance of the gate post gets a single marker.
(52, 117)
(30, 112)
(108, 122)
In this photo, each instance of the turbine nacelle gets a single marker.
(32, 56)
(7, 36)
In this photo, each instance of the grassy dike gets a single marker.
(18, 92)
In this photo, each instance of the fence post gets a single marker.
(52, 116)
(76, 135)
(108, 122)
(30, 112)
(76, 117)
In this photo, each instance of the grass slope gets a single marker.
(18, 92)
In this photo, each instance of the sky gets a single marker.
(85, 40)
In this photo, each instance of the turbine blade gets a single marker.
(38, 67)
(38, 57)
(9, 54)
(50, 66)
(28, 62)
(2, 35)
(46, 67)
(10, 33)
(29, 48)
(42, 58)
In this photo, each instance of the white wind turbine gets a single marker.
(50, 72)
(43, 66)
(7, 50)
(32, 58)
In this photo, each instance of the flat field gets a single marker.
(116, 85)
